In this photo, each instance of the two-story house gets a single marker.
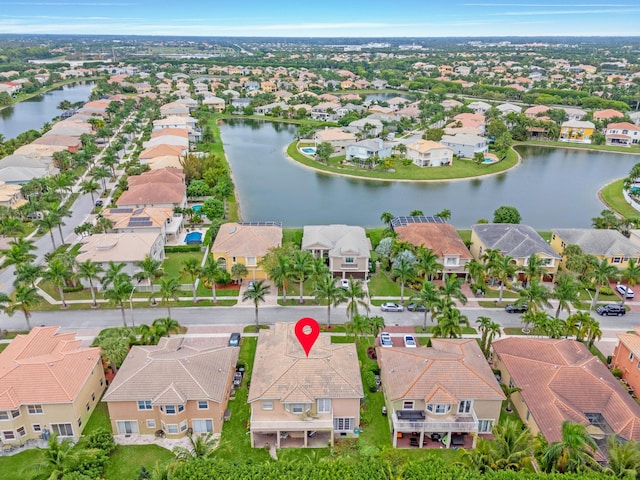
(49, 384)
(345, 248)
(443, 395)
(576, 131)
(623, 133)
(465, 146)
(180, 386)
(158, 188)
(626, 357)
(367, 149)
(300, 400)
(426, 153)
(145, 219)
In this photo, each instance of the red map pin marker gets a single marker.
(307, 339)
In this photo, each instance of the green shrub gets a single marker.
(370, 381)
(181, 248)
(101, 439)
(616, 372)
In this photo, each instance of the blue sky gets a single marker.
(327, 18)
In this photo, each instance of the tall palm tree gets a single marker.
(452, 288)
(603, 274)
(49, 221)
(386, 218)
(476, 270)
(169, 288)
(256, 295)
(565, 292)
(427, 264)
(360, 325)
(12, 227)
(19, 253)
(426, 297)
(574, 453)
(488, 330)
(504, 269)
(25, 297)
(90, 271)
(280, 273)
(58, 272)
(112, 271)
(169, 324)
(151, 334)
(535, 295)
(301, 266)
(534, 268)
(90, 186)
(403, 270)
(28, 273)
(150, 269)
(449, 323)
(119, 291)
(209, 273)
(191, 266)
(631, 275)
(510, 449)
(508, 391)
(326, 290)
(355, 296)
(101, 174)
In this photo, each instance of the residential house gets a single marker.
(20, 169)
(326, 111)
(465, 146)
(475, 120)
(300, 400)
(516, 241)
(623, 133)
(479, 107)
(49, 384)
(450, 104)
(441, 238)
(161, 151)
(367, 149)
(266, 109)
(11, 195)
(506, 108)
(604, 244)
(607, 114)
(145, 219)
(216, 103)
(179, 387)
(574, 114)
(72, 144)
(180, 140)
(560, 380)
(626, 358)
(536, 111)
(158, 188)
(338, 138)
(443, 395)
(576, 131)
(246, 243)
(345, 248)
(426, 153)
(368, 126)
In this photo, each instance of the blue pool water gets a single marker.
(193, 238)
(308, 150)
(196, 208)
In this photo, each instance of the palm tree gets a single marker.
(574, 453)
(427, 263)
(169, 288)
(28, 273)
(632, 276)
(256, 295)
(360, 324)
(150, 269)
(49, 221)
(280, 274)
(151, 334)
(489, 329)
(583, 321)
(386, 218)
(169, 324)
(59, 457)
(120, 290)
(624, 458)
(12, 227)
(535, 295)
(238, 271)
(58, 272)
(101, 173)
(112, 271)
(428, 298)
(90, 271)
(19, 253)
(376, 324)
(25, 297)
(449, 323)
(90, 186)
(565, 292)
(508, 391)
(355, 295)
(476, 270)
(534, 268)
(209, 273)
(200, 447)
(503, 269)
(603, 274)
(510, 449)
(191, 267)
(327, 291)
(301, 265)
(452, 288)
(403, 270)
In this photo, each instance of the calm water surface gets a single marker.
(551, 188)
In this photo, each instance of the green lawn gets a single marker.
(125, 461)
(611, 194)
(173, 264)
(292, 235)
(20, 466)
(465, 330)
(380, 285)
(99, 419)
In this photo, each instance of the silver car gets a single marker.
(391, 307)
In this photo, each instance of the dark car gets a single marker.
(412, 307)
(515, 308)
(234, 340)
(611, 309)
(99, 203)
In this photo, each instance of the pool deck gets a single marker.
(184, 233)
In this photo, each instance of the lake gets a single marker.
(553, 187)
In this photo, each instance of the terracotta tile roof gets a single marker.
(165, 185)
(442, 238)
(161, 151)
(246, 240)
(173, 372)
(178, 132)
(167, 175)
(282, 371)
(451, 370)
(122, 216)
(561, 380)
(631, 341)
(44, 367)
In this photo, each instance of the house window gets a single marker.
(151, 423)
(631, 357)
(203, 405)
(145, 405)
(15, 413)
(297, 408)
(349, 260)
(553, 237)
(451, 261)
(407, 405)
(34, 409)
(511, 383)
(251, 262)
(438, 408)
(8, 435)
(617, 260)
(267, 404)
(79, 422)
(638, 366)
(485, 426)
(4, 415)
(464, 406)
(183, 426)
(172, 428)
(88, 406)
(93, 397)
(202, 426)
(233, 259)
(101, 382)
(62, 429)
(324, 405)
(528, 415)
(36, 428)
(21, 431)
(343, 424)
(170, 409)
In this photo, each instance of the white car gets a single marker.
(622, 289)
(385, 340)
(410, 341)
(344, 283)
(391, 307)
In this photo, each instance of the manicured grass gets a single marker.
(99, 419)
(465, 330)
(254, 329)
(459, 169)
(3, 346)
(173, 264)
(512, 415)
(217, 148)
(465, 235)
(611, 194)
(375, 235)
(20, 466)
(514, 331)
(380, 285)
(125, 461)
(292, 235)
(495, 293)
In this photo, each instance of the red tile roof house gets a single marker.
(48, 383)
(561, 380)
(623, 133)
(157, 188)
(626, 357)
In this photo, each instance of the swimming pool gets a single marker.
(196, 208)
(193, 238)
(308, 150)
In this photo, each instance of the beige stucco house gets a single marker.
(303, 401)
(425, 153)
(48, 384)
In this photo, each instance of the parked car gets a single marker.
(412, 307)
(515, 308)
(410, 341)
(251, 285)
(385, 340)
(391, 307)
(99, 203)
(344, 283)
(624, 290)
(611, 309)
(234, 340)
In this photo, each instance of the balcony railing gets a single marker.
(467, 422)
(352, 266)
